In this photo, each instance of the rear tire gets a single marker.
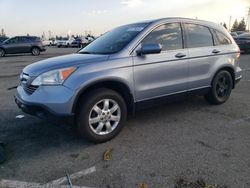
(222, 86)
(35, 51)
(2, 52)
(101, 114)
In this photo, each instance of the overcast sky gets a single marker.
(19, 17)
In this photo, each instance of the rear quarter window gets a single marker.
(222, 38)
(198, 36)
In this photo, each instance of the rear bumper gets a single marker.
(41, 111)
(237, 80)
(238, 75)
(43, 50)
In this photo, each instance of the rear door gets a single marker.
(202, 54)
(24, 44)
(158, 75)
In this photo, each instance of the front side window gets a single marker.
(198, 36)
(169, 36)
(115, 40)
(222, 39)
(11, 41)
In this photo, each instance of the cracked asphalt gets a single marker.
(189, 139)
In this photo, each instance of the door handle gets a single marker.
(180, 55)
(215, 51)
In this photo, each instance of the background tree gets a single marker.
(242, 25)
(235, 26)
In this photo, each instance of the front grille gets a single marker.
(26, 80)
(29, 89)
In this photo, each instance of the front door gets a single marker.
(166, 73)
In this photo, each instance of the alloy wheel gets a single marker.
(104, 117)
(1, 53)
(35, 51)
(222, 86)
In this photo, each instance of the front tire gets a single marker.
(221, 89)
(2, 53)
(102, 113)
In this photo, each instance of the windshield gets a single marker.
(115, 40)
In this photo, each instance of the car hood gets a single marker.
(39, 67)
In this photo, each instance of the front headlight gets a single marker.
(54, 77)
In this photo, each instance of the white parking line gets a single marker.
(74, 176)
(240, 120)
(53, 184)
(20, 184)
(4, 60)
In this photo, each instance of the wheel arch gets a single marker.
(34, 46)
(230, 69)
(116, 85)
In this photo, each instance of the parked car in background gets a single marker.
(3, 39)
(240, 32)
(22, 44)
(85, 41)
(48, 42)
(54, 42)
(90, 39)
(243, 42)
(80, 42)
(77, 43)
(62, 42)
(68, 43)
(234, 34)
(132, 67)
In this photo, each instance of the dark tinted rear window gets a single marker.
(198, 36)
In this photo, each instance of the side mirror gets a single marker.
(149, 49)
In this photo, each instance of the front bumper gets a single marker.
(41, 111)
(47, 102)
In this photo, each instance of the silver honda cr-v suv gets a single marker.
(131, 67)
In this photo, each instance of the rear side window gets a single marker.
(198, 36)
(32, 39)
(222, 39)
(23, 39)
(168, 35)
